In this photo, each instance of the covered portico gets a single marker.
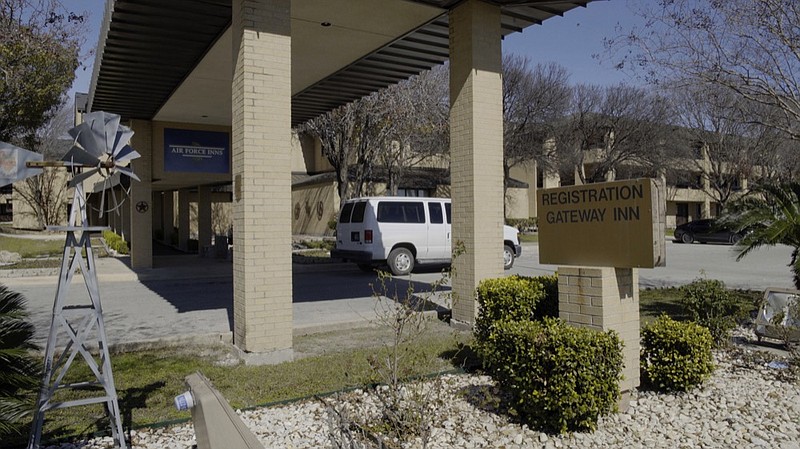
(254, 69)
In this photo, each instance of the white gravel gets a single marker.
(746, 404)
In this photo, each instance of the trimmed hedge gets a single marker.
(115, 242)
(561, 378)
(675, 356)
(509, 298)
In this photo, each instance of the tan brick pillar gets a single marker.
(605, 299)
(203, 217)
(168, 202)
(183, 219)
(476, 148)
(140, 208)
(261, 140)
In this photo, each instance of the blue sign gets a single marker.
(187, 150)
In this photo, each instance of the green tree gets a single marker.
(19, 371)
(771, 214)
(39, 52)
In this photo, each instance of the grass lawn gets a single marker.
(654, 302)
(528, 238)
(148, 380)
(28, 248)
(41, 253)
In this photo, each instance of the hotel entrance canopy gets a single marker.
(154, 56)
(252, 69)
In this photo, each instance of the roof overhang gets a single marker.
(171, 60)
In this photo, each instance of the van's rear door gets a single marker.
(438, 232)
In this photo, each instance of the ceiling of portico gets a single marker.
(172, 60)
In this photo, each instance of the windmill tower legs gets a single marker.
(73, 328)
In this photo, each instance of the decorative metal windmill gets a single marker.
(100, 147)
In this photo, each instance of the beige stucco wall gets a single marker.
(313, 206)
(517, 203)
(24, 216)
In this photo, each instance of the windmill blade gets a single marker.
(127, 171)
(110, 126)
(12, 163)
(86, 138)
(77, 155)
(82, 177)
(123, 137)
(126, 154)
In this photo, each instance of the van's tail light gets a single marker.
(367, 235)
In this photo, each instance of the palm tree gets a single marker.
(771, 216)
(19, 370)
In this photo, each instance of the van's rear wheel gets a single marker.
(400, 261)
(508, 257)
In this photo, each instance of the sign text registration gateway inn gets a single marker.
(613, 224)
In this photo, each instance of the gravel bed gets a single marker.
(747, 403)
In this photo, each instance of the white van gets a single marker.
(402, 231)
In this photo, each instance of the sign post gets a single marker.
(600, 235)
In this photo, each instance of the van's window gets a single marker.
(358, 212)
(435, 211)
(447, 209)
(345, 215)
(401, 212)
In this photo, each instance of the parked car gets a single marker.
(401, 232)
(705, 231)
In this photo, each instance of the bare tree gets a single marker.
(351, 137)
(45, 194)
(721, 142)
(749, 47)
(614, 127)
(418, 124)
(534, 99)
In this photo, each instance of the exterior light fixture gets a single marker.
(325, 24)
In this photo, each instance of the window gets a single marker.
(401, 212)
(421, 193)
(358, 212)
(344, 217)
(447, 208)
(435, 211)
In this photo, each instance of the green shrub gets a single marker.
(712, 306)
(508, 298)
(561, 378)
(19, 371)
(548, 305)
(675, 356)
(115, 242)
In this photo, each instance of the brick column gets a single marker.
(183, 219)
(261, 140)
(168, 202)
(203, 217)
(476, 149)
(603, 299)
(140, 222)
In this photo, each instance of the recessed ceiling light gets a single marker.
(325, 24)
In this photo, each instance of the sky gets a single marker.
(570, 40)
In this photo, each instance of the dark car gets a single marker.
(705, 231)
